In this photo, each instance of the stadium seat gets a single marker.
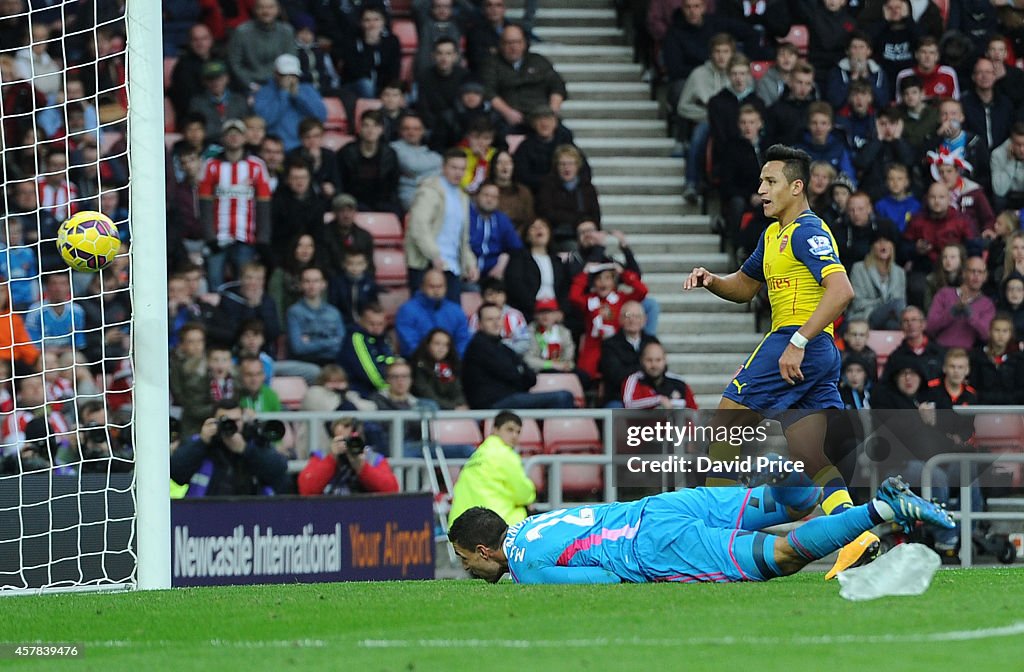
(513, 142)
(391, 300)
(575, 436)
(383, 226)
(362, 105)
(405, 31)
(557, 382)
(337, 118)
(169, 63)
(759, 68)
(456, 432)
(291, 390)
(799, 37)
(530, 443)
(407, 69)
(334, 140)
(883, 343)
(1001, 434)
(401, 8)
(390, 265)
(170, 123)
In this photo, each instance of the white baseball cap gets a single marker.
(286, 64)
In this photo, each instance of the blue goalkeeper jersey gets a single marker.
(588, 544)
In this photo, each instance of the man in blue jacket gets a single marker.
(491, 233)
(429, 309)
(366, 353)
(285, 101)
(315, 328)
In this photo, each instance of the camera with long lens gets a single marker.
(355, 444)
(267, 431)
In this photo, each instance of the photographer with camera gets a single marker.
(231, 455)
(349, 467)
(103, 447)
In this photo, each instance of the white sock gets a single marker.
(883, 509)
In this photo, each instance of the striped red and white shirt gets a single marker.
(640, 391)
(14, 429)
(234, 188)
(59, 201)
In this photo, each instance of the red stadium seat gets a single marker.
(362, 105)
(291, 390)
(337, 118)
(575, 436)
(759, 68)
(1001, 434)
(169, 63)
(471, 301)
(883, 343)
(514, 141)
(456, 432)
(170, 124)
(391, 300)
(383, 226)
(334, 141)
(530, 443)
(799, 37)
(405, 31)
(390, 265)
(401, 8)
(557, 382)
(407, 70)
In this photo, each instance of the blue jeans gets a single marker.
(653, 310)
(561, 399)
(236, 254)
(698, 147)
(941, 483)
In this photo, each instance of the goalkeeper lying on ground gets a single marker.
(699, 534)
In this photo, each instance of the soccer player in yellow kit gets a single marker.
(796, 367)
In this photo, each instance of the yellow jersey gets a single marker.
(792, 260)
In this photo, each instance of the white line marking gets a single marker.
(1012, 630)
(955, 635)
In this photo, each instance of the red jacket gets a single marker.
(953, 229)
(375, 476)
(642, 391)
(601, 315)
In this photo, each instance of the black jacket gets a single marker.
(290, 217)
(379, 192)
(564, 208)
(787, 118)
(534, 156)
(1000, 112)
(259, 467)
(997, 385)
(493, 371)
(358, 60)
(619, 360)
(438, 93)
(522, 293)
(686, 46)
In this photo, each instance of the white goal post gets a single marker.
(149, 298)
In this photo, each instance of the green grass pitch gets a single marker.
(968, 620)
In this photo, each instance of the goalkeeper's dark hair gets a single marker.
(797, 162)
(477, 526)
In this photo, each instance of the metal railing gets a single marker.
(966, 516)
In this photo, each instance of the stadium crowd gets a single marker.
(380, 198)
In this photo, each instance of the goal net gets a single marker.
(78, 132)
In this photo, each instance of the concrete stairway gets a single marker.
(640, 188)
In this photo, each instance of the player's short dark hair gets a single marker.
(477, 526)
(507, 416)
(796, 162)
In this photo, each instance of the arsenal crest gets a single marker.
(782, 243)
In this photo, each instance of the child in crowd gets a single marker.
(551, 346)
(221, 374)
(190, 385)
(899, 205)
(855, 386)
(478, 146)
(393, 106)
(856, 344)
(515, 331)
(353, 289)
(437, 371)
(251, 339)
